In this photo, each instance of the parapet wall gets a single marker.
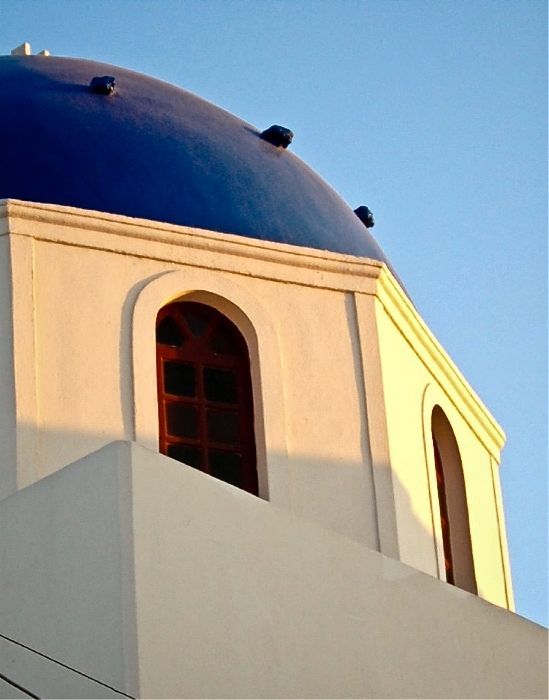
(164, 582)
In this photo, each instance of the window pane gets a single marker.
(179, 379)
(223, 342)
(226, 466)
(186, 454)
(197, 322)
(220, 385)
(182, 420)
(223, 426)
(168, 333)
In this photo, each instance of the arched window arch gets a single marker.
(452, 499)
(205, 403)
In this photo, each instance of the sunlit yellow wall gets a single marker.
(413, 384)
(404, 382)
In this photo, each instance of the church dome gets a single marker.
(154, 151)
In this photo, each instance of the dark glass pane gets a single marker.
(168, 333)
(220, 385)
(224, 342)
(186, 454)
(182, 420)
(226, 466)
(179, 379)
(197, 322)
(223, 426)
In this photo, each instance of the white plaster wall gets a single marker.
(165, 582)
(325, 416)
(66, 577)
(262, 604)
(340, 383)
(44, 677)
(8, 691)
(83, 302)
(8, 471)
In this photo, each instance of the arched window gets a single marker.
(452, 500)
(204, 393)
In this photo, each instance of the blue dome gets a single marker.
(157, 152)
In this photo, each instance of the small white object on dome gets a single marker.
(45, 52)
(23, 50)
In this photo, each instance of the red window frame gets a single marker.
(205, 402)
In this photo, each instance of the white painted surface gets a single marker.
(65, 575)
(23, 49)
(168, 583)
(343, 371)
(44, 677)
(8, 432)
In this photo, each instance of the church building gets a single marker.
(234, 460)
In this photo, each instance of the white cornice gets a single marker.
(199, 239)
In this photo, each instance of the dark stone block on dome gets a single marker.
(366, 216)
(279, 136)
(103, 85)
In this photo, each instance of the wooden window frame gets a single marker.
(197, 352)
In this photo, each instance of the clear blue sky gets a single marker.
(432, 113)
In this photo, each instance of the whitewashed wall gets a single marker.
(163, 582)
(341, 364)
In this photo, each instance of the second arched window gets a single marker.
(453, 508)
(205, 400)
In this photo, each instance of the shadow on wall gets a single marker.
(333, 493)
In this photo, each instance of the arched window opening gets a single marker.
(205, 400)
(452, 500)
(444, 520)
